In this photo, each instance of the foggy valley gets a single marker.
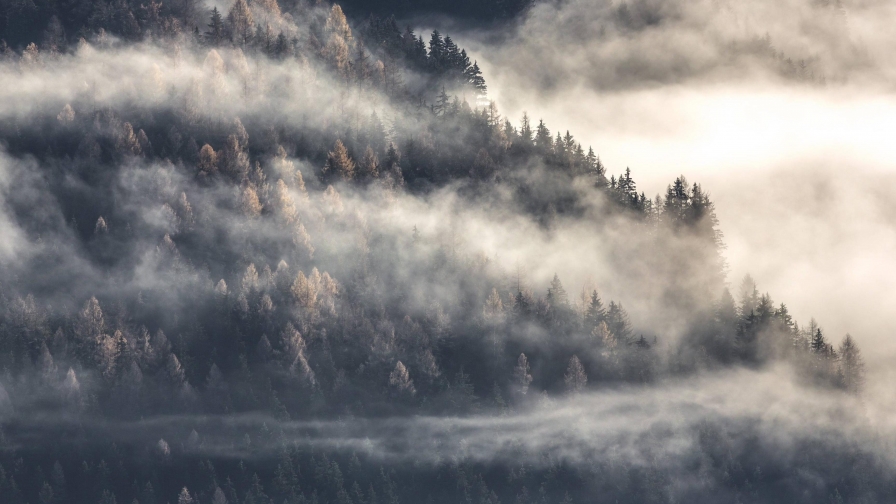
(508, 251)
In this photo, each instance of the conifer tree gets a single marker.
(401, 381)
(369, 167)
(818, 344)
(476, 80)
(543, 141)
(521, 374)
(184, 497)
(339, 164)
(559, 296)
(618, 322)
(575, 378)
(852, 366)
(594, 312)
(215, 34)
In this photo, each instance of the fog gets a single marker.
(798, 171)
(634, 424)
(345, 267)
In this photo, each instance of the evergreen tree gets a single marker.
(475, 79)
(594, 312)
(543, 141)
(436, 50)
(215, 34)
(852, 366)
(818, 344)
(618, 322)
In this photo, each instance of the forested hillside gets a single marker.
(265, 254)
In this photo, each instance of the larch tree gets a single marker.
(240, 23)
(339, 164)
(852, 366)
(493, 311)
(295, 353)
(233, 160)
(400, 380)
(46, 364)
(559, 296)
(339, 41)
(249, 282)
(369, 167)
(184, 211)
(219, 497)
(108, 350)
(522, 376)
(302, 240)
(208, 161)
(127, 143)
(184, 497)
(67, 115)
(284, 203)
(100, 228)
(269, 10)
(575, 378)
(303, 292)
(605, 337)
(90, 324)
(250, 205)
(175, 370)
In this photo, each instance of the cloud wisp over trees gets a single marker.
(269, 253)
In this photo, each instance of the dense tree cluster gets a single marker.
(263, 294)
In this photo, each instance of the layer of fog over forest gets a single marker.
(274, 253)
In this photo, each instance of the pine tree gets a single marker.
(476, 80)
(443, 102)
(594, 312)
(818, 344)
(215, 34)
(436, 50)
(543, 141)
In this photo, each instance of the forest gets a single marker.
(269, 253)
